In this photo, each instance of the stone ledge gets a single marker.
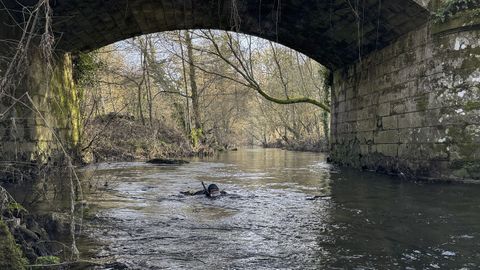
(461, 21)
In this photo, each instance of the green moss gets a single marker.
(467, 150)
(422, 103)
(47, 260)
(16, 209)
(471, 105)
(466, 169)
(471, 62)
(196, 136)
(461, 173)
(463, 141)
(65, 106)
(11, 257)
(458, 134)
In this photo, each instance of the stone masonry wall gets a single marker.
(413, 108)
(37, 131)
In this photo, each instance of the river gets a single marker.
(267, 220)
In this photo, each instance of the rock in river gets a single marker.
(163, 161)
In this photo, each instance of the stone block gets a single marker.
(351, 116)
(420, 53)
(410, 120)
(366, 125)
(388, 136)
(407, 151)
(364, 89)
(15, 146)
(384, 82)
(341, 106)
(365, 137)
(383, 109)
(338, 117)
(390, 122)
(366, 113)
(351, 93)
(395, 93)
(398, 107)
(44, 134)
(410, 105)
(407, 135)
(366, 149)
(389, 150)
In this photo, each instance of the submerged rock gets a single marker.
(163, 161)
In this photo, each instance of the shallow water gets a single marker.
(366, 221)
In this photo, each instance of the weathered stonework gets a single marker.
(414, 106)
(44, 116)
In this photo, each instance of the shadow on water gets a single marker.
(367, 221)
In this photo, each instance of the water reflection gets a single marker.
(266, 222)
(396, 224)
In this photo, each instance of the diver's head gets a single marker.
(213, 190)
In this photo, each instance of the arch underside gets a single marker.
(333, 32)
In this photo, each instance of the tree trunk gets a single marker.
(188, 125)
(193, 84)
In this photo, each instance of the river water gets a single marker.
(137, 216)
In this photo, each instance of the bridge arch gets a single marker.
(333, 32)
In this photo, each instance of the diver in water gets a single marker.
(211, 192)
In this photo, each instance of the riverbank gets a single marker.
(117, 137)
(28, 238)
(305, 145)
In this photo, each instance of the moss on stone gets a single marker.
(466, 169)
(47, 260)
(471, 105)
(65, 107)
(422, 103)
(470, 63)
(11, 256)
(16, 209)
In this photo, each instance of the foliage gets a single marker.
(11, 257)
(85, 67)
(451, 7)
(213, 86)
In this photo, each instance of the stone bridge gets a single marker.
(405, 89)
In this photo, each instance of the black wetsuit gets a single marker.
(200, 192)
